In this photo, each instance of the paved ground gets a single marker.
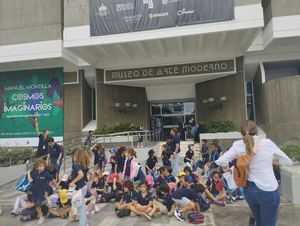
(231, 215)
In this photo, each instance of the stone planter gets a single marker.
(290, 183)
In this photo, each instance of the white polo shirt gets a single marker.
(260, 168)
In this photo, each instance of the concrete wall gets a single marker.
(233, 88)
(246, 2)
(86, 102)
(285, 8)
(30, 21)
(76, 13)
(277, 104)
(72, 109)
(107, 95)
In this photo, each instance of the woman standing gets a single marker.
(80, 165)
(175, 147)
(261, 191)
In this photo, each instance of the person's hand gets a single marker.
(72, 184)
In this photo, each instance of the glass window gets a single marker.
(156, 109)
(172, 121)
(189, 107)
(172, 108)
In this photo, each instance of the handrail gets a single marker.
(121, 133)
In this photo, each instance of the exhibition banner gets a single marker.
(120, 16)
(31, 96)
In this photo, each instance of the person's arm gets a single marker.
(80, 175)
(37, 128)
(48, 157)
(53, 181)
(227, 156)
(283, 159)
(59, 157)
(175, 151)
(29, 177)
(147, 167)
(197, 207)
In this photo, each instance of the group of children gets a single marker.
(121, 179)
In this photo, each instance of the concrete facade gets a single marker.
(232, 87)
(277, 104)
(76, 13)
(30, 21)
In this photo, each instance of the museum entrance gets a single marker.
(168, 115)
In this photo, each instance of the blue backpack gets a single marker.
(23, 183)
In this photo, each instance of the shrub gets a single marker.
(117, 128)
(219, 126)
(15, 155)
(292, 149)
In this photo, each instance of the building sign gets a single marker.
(27, 97)
(221, 66)
(119, 16)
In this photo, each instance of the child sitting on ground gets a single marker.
(112, 160)
(22, 202)
(63, 205)
(166, 206)
(188, 172)
(123, 204)
(151, 163)
(102, 160)
(181, 183)
(216, 187)
(169, 177)
(165, 156)
(98, 186)
(163, 172)
(142, 202)
(205, 154)
(214, 155)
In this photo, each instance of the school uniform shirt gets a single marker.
(151, 162)
(120, 160)
(40, 184)
(187, 193)
(175, 140)
(43, 143)
(166, 160)
(159, 180)
(261, 165)
(102, 162)
(180, 186)
(143, 201)
(219, 149)
(127, 169)
(112, 161)
(54, 153)
(167, 201)
(205, 149)
(75, 169)
(213, 157)
(129, 196)
(188, 155)
(214, 187)
(140, 176)
(99, 185)
(96, 156)
(53, 173)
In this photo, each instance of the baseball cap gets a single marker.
(113, 150)
(189, 179)
(63, 196)
(181, 174)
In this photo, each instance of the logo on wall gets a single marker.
(124, 7)
(103, 11)
(164, 2)
(184, 11)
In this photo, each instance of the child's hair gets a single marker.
(82, 158)
(38, 163)
(51, 167)
(150, 152)
(169, 168)
(97, 175)
(248, 130)
(162, 169)
(204, 141)
(50, 139)
(144, 183)
(188, 169)
(214, 173)
(131, 152)
(128, 184)
(164, 188)
(163, 153)
(214, 144)
(216, 141)
(102, 151)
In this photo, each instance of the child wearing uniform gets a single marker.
(54, 155)
(102, 160)
(112, 160)
(142, 202)
(151, 162)
(126, 199)
(40, 180)
(169, 177)
(216, 187)
(181, 183)
(120, 159)
(189, 155)
(205, 154)
(165, 205)
(214, 155)
(166, 157)
(218, 147)
(63, 205)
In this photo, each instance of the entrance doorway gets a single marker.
(168, 115)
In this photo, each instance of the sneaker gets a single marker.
(14, 213)
(147, 216)
(179, 215)
(41, 220)
(230, 200)
(117, 211)
(239, 198)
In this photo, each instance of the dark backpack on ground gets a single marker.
(196, 218)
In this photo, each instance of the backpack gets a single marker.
(196, 218)
(23, 183)
(241, 167)
(172, 186)
(149, 180)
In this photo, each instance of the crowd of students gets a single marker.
(121, 179)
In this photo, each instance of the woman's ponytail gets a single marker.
(248, 130)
